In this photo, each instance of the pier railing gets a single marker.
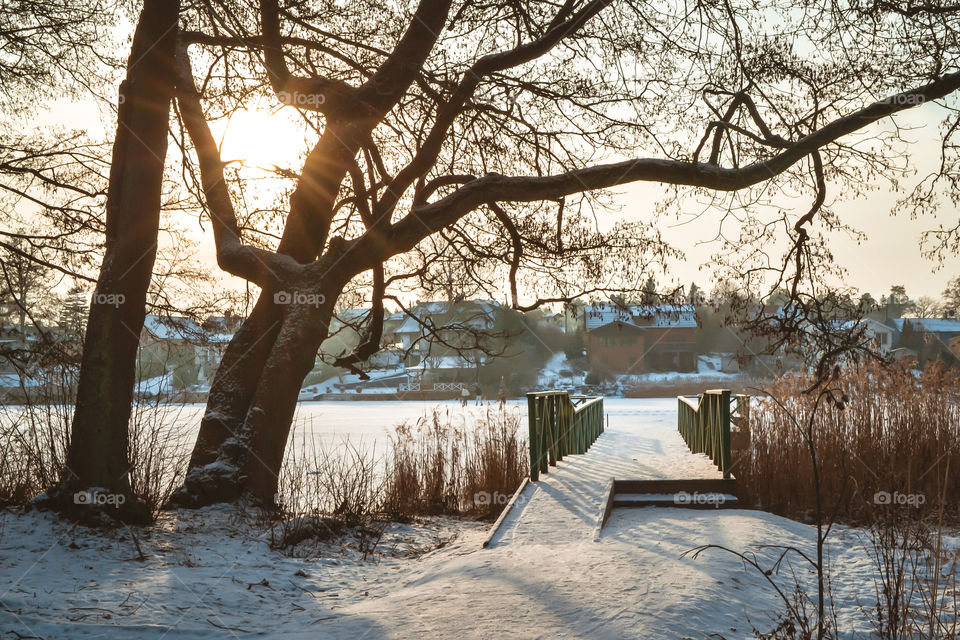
(704, 423)
(560, 425)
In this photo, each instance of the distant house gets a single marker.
(436, 341)
(640, 338)
(547, 319)
(346, 327)
(929, 337)
(449, 368)
(882, 336)
(435, 328)
(943, 329)
(179, 348)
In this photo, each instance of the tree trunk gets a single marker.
(248, 457)
(97, 456)
(268, 422)
(231, 394)
(213, 473)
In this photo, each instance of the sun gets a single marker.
(262, 138)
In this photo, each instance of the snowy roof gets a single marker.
(155, 386)
(937, 325)
(643, 316)
(446, 306)
(930, 325)
(445, 362)
(352, 317)
(348, 315)
(409, 325)
(477, 314)
(873, 325)
(172, 328)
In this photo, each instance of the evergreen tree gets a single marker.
(899, 302)
(868, 304)
(951, 298)
(650, 296)
(73, 313)
(694, 295)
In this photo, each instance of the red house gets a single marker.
(640, 338)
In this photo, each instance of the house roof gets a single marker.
(349, 315)
(929, 325)
(476, 314)
(665, 316)
(409, 325)
(938, 325)
(173, 328)
(874, 325)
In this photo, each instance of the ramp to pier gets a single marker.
(564, 504)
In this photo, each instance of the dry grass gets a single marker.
(916, 581)
(159, 450)
(33, 442)
(895, 436)
(883, 446)
(438, 466)
(34, 438)
(448, 463)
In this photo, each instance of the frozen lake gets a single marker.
(338, 426)
(370, 422)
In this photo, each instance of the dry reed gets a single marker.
(888, 446)
(455, 464)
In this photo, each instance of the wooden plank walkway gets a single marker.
(545, 575)
(563, 506)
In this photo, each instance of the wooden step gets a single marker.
(701, 485)
(681, 499)
(696, 493)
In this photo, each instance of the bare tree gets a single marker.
(491, 132)
(98, 452)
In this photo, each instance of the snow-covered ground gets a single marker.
(211, 574)
(708, 367)
(558, 373)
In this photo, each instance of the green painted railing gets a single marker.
(704, 423)
(560, 425)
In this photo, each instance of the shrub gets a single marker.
(892, 441)
(438, 467)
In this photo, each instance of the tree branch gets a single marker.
(429, 218)
(253, 264)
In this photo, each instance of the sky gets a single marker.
(889, 255)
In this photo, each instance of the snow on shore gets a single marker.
(211, 573)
